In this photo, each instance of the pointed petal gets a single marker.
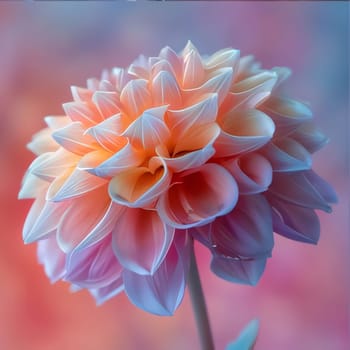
(43, 218)
(93, 159)
(149, 129)
(197, 196)
(53, 259)
(141, 240)
(83, 214)
(78, 183)
(252, 172)
(122, 77)
(165, 90)
(84, 112)
(32, 186)
(201, 113)
(295, 188)
(135, 97)
(287, 155)
(42, 142)
(244, 131)
(81, 94)
(93, 267)
(73, 138)
(162, 292)
(107, 102)
(105, 293)
(294, 222)
(246, 338)
(140, 187)
(193, 71)
(246, 232)
(223, 58)
(168, 54)
(54, 122)
(238, 271)
(283, 73)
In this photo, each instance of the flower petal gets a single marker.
(287, 154)
(140, 187)
(149, 129)
(141, 240)
(52, 257)
(246, 338)
(193, 70)
(223, 58)
(105, 293)
(32, 186)
(73, 139)
(197, 196)
(42, 142)
(93, 267)
(243, 131)
(170, 56)
(162, 292)
(252, 172)
(238, 271)
(83, 214)
(107, 102)
(294, 222)
(84, 112)
(81, 94)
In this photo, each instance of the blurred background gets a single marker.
(302, 300)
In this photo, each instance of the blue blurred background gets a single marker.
(302, 300)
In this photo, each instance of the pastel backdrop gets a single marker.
(302, 300)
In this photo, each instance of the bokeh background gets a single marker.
(302, 300)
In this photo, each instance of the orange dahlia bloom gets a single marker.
(172, 148)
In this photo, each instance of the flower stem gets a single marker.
(199, 306)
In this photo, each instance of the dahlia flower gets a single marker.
(174, 148)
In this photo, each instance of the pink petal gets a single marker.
(73, 139)
(122, 77)
(294, 222)
(140, 187)
(247, 67)
(197, 196)
(140, 68)
(43, 218)
(78, 183)
(162, 292)
(252, 172)
(108, 133)
(42, 142)
(170, 56)
(82, 216)
(295, 188)
(193, 70)
(81, 94)
(286, 113)
(201, 113)
(238, 271)
(84, 112)
(135, 97)
(107, 102)
(165, 90)
(243, 131)
(54, 122)
(105, 293)
(149, 129)
(283, 73)
(53, 259)
(223, 58)
(93, 267)
(287, 155)
(32, 186)
(310, 137)
(141, 240)
(246, 232)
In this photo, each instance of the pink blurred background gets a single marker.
(302, 300)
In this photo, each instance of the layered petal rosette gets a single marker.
(172, 148)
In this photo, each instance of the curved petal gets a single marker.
(170, 55)
(287, 114)
(52, 257)
(165, 90)
(83, 214)
(198, 196)
(81, 94)
(247, 338)
(32, 186)
(43, 218)
(201, 113)
(107, 102)
(252, 172)
(246, 232)
(238, 271)
(193, 70)
(243, 131)
(78, 183)
(93, 267)
(42, 142)
(287, 155)
(223, 58)
(105, 293)
(73, 138)
(149, 129)
(283, 73)
(141, 240)
(84, 112)
(294, 222)
(140, 187)
(108, 133)
(295, 188)
(162, 292)
(57, 122)
(135, 97)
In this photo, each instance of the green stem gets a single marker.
(199, 306)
